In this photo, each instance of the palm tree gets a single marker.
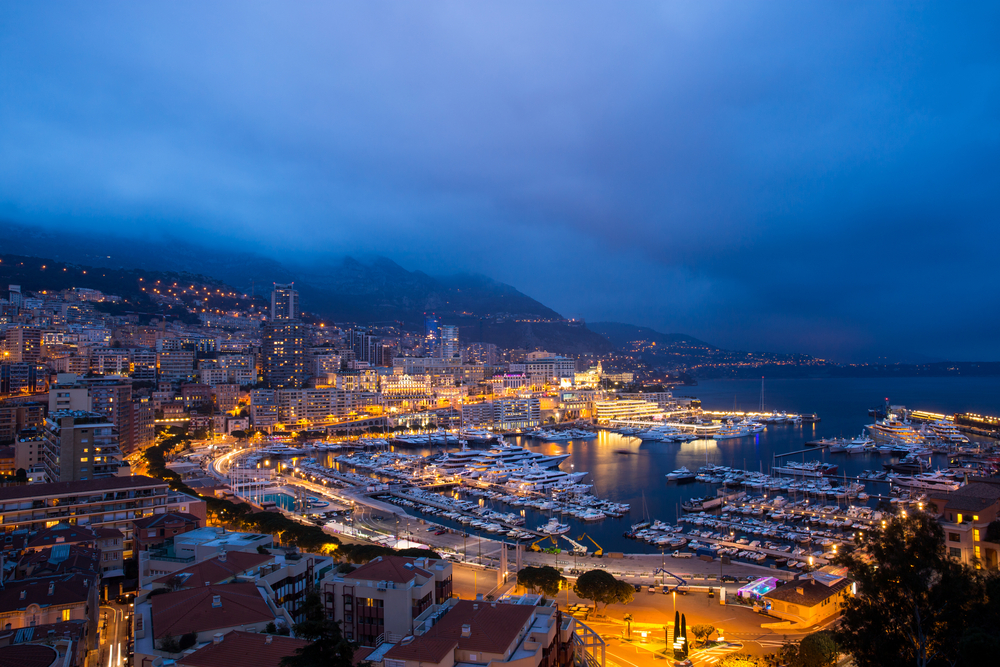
(628, 620)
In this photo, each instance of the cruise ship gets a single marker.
(893, 429)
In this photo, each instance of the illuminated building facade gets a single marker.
(284, 302)
(284, 354)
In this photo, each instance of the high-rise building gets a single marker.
(284, 302)
(432, 335)
(80, 445)
(449, 341)
(24, 344)
(284, 354)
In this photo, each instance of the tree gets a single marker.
(702, 632)
(602, 588)
(545, 579)
(741, 660)
(187, 640)
(21, 476)
(913, 601)
(170, 644)
(816, 650)
(175, 583)
(327, 647)
(418, 552)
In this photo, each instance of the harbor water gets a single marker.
(626, 469)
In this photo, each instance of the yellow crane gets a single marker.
(534, 545)
(585, 536)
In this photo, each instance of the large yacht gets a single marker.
(946, 430)
(810, 469)
(537, 479)
(453, 462)
(893, 429)
(477, 435)
(516, 455)
(730, 431)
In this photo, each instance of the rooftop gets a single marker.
(70, 588)
(215, 570)
(974, 497)
(191, 610)
(86, 486)
(167, 518)
(246, 649)
(27, 655)
(61, 533)
(494, 628)
(397, 569)
(808, 592)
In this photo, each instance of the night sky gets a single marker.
(813, 177)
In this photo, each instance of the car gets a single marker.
(638, 588)
(665, 590)
(728, 578)
(652, 589)
(441, 532)
(683, 663)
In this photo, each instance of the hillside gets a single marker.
(623, 335)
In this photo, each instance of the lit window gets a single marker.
(65, 614)
(975, 535)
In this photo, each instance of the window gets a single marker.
(954, 552)
(960, 517)
(975, 517)
(975, 535)
(976, 549)
(65, 614)
(954, 537)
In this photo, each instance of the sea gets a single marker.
(626, 469)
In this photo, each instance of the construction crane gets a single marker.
(680, 580)
(534, 545)
(577, 547)
(585, 536)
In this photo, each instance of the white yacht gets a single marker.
(894, 429)
(946, 430)
(682, 474)
(553, 527)
(477, 435)
(535, 478)
(730, 431)
(516, 455)
(453, 462)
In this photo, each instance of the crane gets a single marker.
(680, 580)
(534, 545)
(599, 552)
(577, 547)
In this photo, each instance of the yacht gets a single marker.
(929, 481)
(537, 479)
(516, 455)
(453, 462)
(894, 429)
(477, 435)
(730, 431)
(810, 469)
(682, 474)
(946, 430)
(553, 527)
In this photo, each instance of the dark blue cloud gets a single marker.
(817, 176)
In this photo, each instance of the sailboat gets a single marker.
(645, 523)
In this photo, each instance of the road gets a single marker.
(115, 620)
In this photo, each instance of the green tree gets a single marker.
(546, 579)
(169, 644)
(327, 647)
(913, 601)
(702, 632)
(187, 640)
(816, 650)
(992, 530)
(741, 660)
(602, 588)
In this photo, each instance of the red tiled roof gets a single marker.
(67, 589)
(27, 655)
(495, 626)
(75, 558)
(61, 533)
(191, 610)
(216, 571)
(388, 568)
(108, 533)
(244, 649)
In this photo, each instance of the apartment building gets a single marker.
(604, 411)
(112, 502)
(470, 632)
(79, 446)
(383, 598)
(503, 413)
(965, 515)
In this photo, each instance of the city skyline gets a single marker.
(811, 179)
